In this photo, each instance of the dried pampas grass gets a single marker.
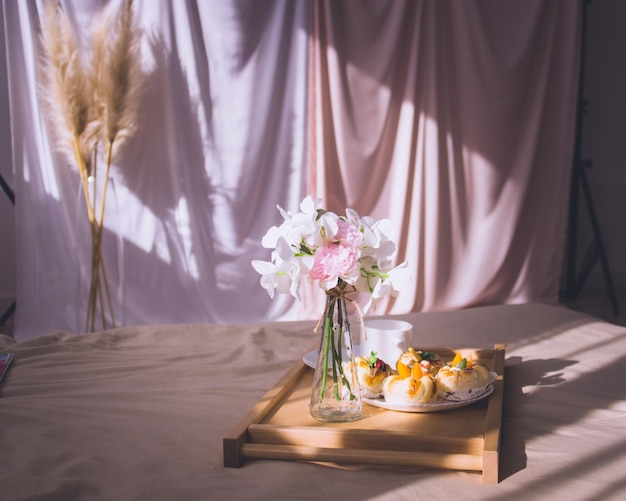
(65, 91)
(93, 98)
(117, 77)
(91, 101)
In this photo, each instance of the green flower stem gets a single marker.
(328, 330)
(338, 373)
(337, 365)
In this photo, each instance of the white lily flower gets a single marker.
(328, 222)
(308, 206)
(400, 278)
(284, 249)
(272, 277)
(326, 248)
(271, 237)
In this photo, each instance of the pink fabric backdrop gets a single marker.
(454, 119)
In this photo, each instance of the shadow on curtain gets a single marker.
(453, 119)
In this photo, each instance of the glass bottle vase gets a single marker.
(335, 394)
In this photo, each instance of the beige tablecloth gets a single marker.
(140, 412)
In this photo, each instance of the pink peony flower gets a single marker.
(348, 234)
(333, 260)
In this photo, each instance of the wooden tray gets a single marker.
(280, 427)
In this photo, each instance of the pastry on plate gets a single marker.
(429, 362)
(371, 372)
(463, 378)
(410, 387)
(410, 391)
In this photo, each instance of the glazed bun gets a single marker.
(371, 373)
(462, 375)
(429, 362)
(409, 390)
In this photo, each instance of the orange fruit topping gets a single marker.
(403, 370)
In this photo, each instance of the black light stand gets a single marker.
(11, 196)
(576, 278)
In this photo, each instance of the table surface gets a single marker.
(140, 412)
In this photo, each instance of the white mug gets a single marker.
(388, 338)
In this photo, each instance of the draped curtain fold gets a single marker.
(456, 120)
(453, 119)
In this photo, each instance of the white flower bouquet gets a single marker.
(349, 251)
(344, 255)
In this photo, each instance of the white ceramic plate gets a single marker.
(310, 358)
(441, 405)
(449, 403)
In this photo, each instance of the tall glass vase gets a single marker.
(336, 394)
(100, 291)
